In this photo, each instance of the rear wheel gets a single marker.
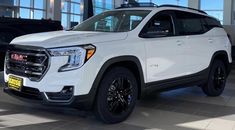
(216, 80)
(117, 95)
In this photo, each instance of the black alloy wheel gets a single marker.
(116, 96)
(120, 94)
(219, 78)
(216, 80)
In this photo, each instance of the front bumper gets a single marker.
(52, 81)
(32, 95)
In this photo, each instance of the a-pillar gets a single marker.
(87, 9)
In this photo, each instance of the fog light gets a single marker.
(67, 89)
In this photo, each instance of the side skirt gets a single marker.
(179, 82)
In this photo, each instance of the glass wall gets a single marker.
(172, 2)
(70, 13)
(7, 9)
(216, 9)
(6, 2)
(31, 9)
(102, 5)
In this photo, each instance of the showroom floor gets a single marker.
(183, 109)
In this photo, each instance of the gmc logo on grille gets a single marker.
(18, 57)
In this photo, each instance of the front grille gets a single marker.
(27, 61)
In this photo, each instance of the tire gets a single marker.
(216, 80)
(117, 95)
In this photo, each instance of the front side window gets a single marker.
(113, 21)
(159, 26)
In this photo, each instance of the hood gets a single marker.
(67, 38)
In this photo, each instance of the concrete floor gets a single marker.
(183, 109)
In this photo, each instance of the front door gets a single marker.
(164, 51)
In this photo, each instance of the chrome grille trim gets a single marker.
(29, 54)
(34, 68)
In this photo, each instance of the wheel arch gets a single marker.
(130, 62)
(223, 56)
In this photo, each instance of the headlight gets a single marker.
(77, 56)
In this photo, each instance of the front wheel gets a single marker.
(116, 96)
(216, 80)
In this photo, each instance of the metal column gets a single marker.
(88, 9)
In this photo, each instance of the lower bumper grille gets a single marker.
(27, 61)
(27, 93)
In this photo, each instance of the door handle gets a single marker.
(179, 43)
(210, 40)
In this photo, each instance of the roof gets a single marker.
(151, 6)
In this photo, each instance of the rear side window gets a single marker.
(211, 23)
(189, 23)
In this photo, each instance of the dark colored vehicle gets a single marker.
(11, 28)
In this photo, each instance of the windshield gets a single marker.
(113, 21)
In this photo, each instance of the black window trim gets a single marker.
(175, 23)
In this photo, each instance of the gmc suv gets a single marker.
(110, 60)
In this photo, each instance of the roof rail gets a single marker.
(176, 6)
(136, 4)
(150, 4)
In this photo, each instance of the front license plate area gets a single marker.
(15, 83)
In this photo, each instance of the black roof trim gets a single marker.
(182, 7)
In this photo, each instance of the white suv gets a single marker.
(112, 59)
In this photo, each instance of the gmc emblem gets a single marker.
(18, 57)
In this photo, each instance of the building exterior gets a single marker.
(7, 2)
(7, 8)
(71, 12)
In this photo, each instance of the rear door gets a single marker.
(198, 43)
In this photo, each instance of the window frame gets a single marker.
(32, 8)
(69, 13)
